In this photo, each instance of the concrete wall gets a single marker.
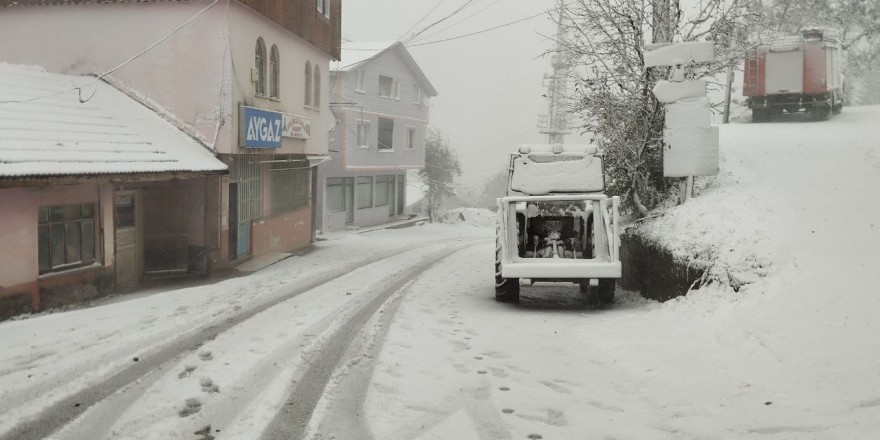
(19, 263)
(350, 159)
(370, 106)
(245, 27)
(200, 75)
(651, 270)
(283, 232)
(187, 74)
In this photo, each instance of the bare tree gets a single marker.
(606, 43)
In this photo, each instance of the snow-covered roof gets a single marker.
(357, 53)
(63, 125)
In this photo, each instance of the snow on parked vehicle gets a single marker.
(555, 224)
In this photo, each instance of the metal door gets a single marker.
(349, 199)
(784, 72)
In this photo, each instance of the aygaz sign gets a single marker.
(265, 128)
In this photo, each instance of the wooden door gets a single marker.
(127, 238)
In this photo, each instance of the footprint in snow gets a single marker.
(191, 407)
(187, 370)
(208, 385)
(206, 355)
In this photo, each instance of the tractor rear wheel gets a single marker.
(605, 290)
(506, 289)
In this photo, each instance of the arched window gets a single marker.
(260, 65)
(308, 94)
(317, 87)
(274, 72)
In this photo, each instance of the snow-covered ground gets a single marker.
(794, 353)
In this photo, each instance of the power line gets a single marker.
(478, 32)
(421, 19)
(457, 22)
(452, 14)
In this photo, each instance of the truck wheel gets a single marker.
(820, 112)
(759, 115)
(605, 291)
(506, 289)
(837, 109)
(584, 286)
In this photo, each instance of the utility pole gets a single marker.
(555, 123)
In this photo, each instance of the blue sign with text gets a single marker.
(260, 128)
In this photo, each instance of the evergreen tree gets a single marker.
(441, 172)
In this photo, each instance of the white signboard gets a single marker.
(294, 126)
(670, 54)
(669, 91)
(691, 112)
(690, 151)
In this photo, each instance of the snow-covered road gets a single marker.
(403, 327)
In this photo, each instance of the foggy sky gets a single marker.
(489, 85)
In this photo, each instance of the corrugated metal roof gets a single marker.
(62, 125)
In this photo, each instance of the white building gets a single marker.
(380, 98)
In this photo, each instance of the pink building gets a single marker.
(380, 99)
(246, 79)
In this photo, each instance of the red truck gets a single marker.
(796, 73)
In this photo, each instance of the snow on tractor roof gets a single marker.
(556, 168)
(556, 148)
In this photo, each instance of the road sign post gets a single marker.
(691, 142)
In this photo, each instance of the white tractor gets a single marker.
(555, 224)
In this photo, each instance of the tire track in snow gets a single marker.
(53, 417)
(293, 419)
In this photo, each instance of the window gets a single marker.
(317, 100)
(308, 90)
(324, 7)
(384, 186)
(364, 192)
(410, 138)
(361, 82)
(290, 184)
(260, 65)
(335, 194)
(66, 236)
(389, 87)
(386, 134)
(363, 132)
(274, 72)
(417, 94)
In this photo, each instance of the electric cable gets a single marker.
(421, 19)
(452, 14)
(477, 32)
(456, 23)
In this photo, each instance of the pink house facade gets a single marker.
(380, 100)
(246, 79)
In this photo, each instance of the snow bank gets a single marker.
(481, 218)
(720, 230)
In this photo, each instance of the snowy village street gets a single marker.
(395, 334)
